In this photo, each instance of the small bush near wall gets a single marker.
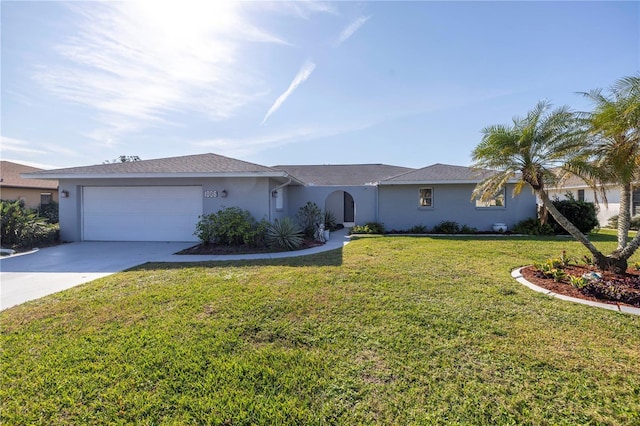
(635, 222)
(21, 227)
(284, 234)
(309, 216)
(231, 226)
(447, 227)
(368, 228)
(49, 211)
(581, 213)
(532, 226)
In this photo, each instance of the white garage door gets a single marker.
(141, 213)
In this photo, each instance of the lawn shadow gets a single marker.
(327, 258)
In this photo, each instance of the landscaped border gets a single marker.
(517, 274)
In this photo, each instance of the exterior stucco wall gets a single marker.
(364, 198)
(31, 196)
(399, 207)
(252, 194)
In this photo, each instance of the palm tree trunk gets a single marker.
(615, 263)
(630, 248)
(624, 216)
(567, 225)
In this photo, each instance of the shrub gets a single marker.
(532, 226)
(447, 227)
(330, 221)
(418, 229)
(284, 234)
(466, 229)
(635, 222)
(581, 213)
(22, 227)
(49, 212)
(368, 228)
(230, 226)
(309, 216)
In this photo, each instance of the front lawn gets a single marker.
(389, 330)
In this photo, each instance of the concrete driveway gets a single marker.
(31, 276)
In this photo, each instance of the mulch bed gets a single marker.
(616, 288)
(217, 249)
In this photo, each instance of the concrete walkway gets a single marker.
(29, 276)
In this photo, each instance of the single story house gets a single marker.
(33, 192)
(161, 199)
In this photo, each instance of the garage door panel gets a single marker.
(141, 213)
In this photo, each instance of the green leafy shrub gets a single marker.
(418, 229)
(50, 212)
(330, 222)
(447, 227)
(581, 213)
(309, 216)
(578, 282)
(368, 228)
(635, 222)
(532, 226)
(231, 226)
(22, 227)
(284, 234)
(466, 229)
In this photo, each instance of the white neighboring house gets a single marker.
(582, 192)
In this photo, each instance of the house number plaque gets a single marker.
(210, 194)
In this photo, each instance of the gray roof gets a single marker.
(343, 174)
(440, 173)
(189, 165)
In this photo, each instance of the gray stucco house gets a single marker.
(161, 200)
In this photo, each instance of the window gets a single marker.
(45, 198)
(580, 194)
(426, 197)
(497, 201)
(279, 199)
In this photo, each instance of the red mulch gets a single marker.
(216, 249)
(627, 282)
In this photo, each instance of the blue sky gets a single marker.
(403, 83)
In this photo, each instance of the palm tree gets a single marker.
(533, 149)
(614, 128)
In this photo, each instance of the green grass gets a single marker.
(389, 330)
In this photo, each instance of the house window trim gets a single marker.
(279, 196)
(581, 195)
(46, 194)
(420, 198)
(494, 207)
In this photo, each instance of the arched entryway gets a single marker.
(343, 207)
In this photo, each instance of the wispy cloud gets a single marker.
(303, 74)
(351, 29)
(136, 62)
(247, 146)
(18, 146)
(23, 147)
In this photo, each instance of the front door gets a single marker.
(349, 208)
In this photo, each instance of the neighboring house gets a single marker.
(32, 192)
(161, 200)
(581, 192)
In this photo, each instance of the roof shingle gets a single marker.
(343, 174)
(10, 177)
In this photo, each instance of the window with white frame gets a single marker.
(580, 194)
(426, 197)
(496, 201)
(45, 198)
(279, 199)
